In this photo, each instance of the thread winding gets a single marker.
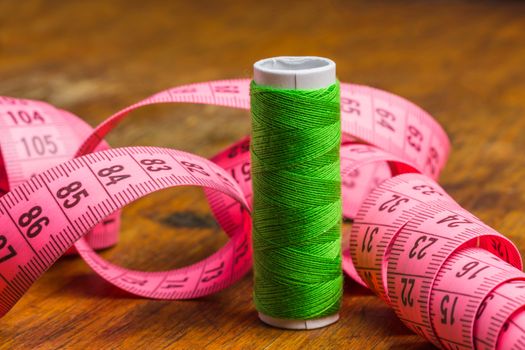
(296, 136)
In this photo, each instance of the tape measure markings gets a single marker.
(403, 209)
(72, 197)
(483, 276)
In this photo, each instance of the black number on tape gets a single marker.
(427, 190)
(39, 145)
(350, 106)
(108, 172)
(25, 117)
(393, 203)
(386, 116)
(170, 284)
(241, 251)
(134, 281)
(500, 249)
(406, 292)
(36, 227)
(420, 245)
(468, 267)
(155, 164)
(73, 192)
(11, 252)
(245, 173)
(483, 306)
(239, 149)
(212, 274)
(194, 168)
(448, 307)
(432, 160)
(415, 138)
(454, 221)
(370, 235)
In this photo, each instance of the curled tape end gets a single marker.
(299, 324)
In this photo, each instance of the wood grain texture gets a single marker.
(462, 61)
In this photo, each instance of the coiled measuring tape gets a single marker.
(448, 276)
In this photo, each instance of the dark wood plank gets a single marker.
(461, 60)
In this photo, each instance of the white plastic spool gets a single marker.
(300, 73)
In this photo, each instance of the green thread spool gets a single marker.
(296, 135)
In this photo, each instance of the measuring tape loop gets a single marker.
(496, 310)
(405, 230)
(370, 115)
(448, 276)
(454, 306)
(430, 246)
(380, 219)
(43, 217)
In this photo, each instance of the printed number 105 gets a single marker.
(39, 145)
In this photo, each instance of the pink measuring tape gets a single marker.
(448, 276)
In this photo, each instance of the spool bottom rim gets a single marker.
(299, 324)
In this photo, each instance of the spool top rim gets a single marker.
(295, 72)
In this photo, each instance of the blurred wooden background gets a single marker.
(463, 61)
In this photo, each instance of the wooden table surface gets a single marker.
(463, 61)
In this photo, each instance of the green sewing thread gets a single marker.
(297, 207)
